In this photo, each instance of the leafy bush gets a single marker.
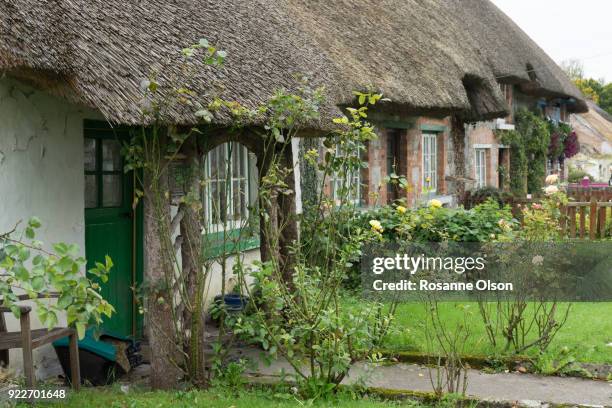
(485, 222)
(542, 222)
(295, 300)
(536, 139)
(26, 267)
(575, 175)
(481, 195)
(530, 146)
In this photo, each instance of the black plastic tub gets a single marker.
(95, 369)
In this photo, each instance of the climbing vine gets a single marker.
(529, 150)
(518, 161)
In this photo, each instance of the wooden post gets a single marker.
(593, 219)
(4, 354)
(602, 222)
(26, 342)
(564, 218)
(75, 366)
(572, 221)
(582, 222)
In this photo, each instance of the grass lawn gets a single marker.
(586, 334)
(112, 397)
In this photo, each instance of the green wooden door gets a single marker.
(109, 226)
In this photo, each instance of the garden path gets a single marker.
(529, 389)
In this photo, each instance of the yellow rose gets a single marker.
(552, 179)
(401, 209)
(435, 203)
(550, 190)
(376, 226)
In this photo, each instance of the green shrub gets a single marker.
(575, 175)
(529, 150)
(481, 195)
(484, 222)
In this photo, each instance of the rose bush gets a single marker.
(434, 223)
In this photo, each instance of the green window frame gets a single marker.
(103, 172)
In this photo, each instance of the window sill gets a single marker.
(228, 243)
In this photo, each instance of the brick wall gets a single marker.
(408, 159)
(481, 136)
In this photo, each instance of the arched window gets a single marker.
(230, 187)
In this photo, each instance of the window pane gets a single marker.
(212, 164)
(214, 203)
(90, 154)
(111, 155)
(430, 161)
(226, 198)
(91, 191)
(112, 190)
(236, 158)
(223, 193)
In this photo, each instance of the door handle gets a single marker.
(128, 214)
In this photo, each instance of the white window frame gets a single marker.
(555, 114)
(241, 181)
(430, 161)
(351, 181)
(480, 166)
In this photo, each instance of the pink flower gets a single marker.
(536, 206)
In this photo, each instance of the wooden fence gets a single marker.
(574, 225)
(586, 217)
(578, 193)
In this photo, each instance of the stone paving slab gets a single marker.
(529, 388)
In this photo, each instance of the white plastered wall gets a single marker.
(41, 174)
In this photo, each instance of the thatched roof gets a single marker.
(427, 56)
(513, 56)
(594, 130)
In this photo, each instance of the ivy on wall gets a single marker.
(529, 149)
(518, 161)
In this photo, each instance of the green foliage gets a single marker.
(485, 222)
(518, 161)
(605, 98)
(554, 362)
(536, 139)
(575, 175)
(598, 91)
(590, 87)
(586, 332)
(231, 375)
(529, 148)
(28, 268)
(173, 296)
(297, 314)
(542, 221)
(483, 194)
(282, 396)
